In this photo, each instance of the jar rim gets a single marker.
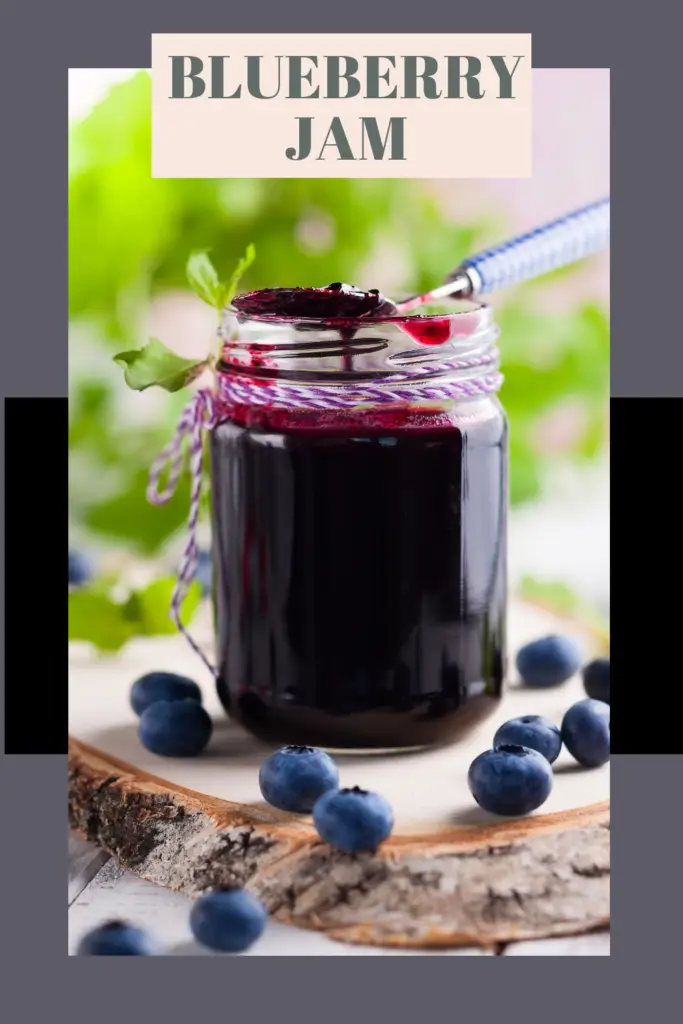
(277, 318)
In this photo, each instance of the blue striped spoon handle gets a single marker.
(557, 244)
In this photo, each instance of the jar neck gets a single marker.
(410, 362)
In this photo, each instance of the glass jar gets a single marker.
(359, 504)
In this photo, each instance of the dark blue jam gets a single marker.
(360, 564)
(331, 304)
(360, 584)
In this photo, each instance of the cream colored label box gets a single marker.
(341, 106)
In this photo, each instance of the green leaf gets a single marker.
(129, 517)
(107, 624)
(94, 617)
(203, 279)
(230, 290)
(525, 477)
(153, 606)
(157, 365)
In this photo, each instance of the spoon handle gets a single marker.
(557, 244)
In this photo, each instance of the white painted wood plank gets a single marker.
(114, 893)
(85, 860)
(595, 944)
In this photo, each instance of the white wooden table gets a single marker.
(100, 890)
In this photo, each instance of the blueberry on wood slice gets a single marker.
(532, 731)
(353, 820)
(586, 732)
(155, 686)
(293, 778)
(511, 780)
(596, 679)
(549, 661)
(175, 728)
(228, 921)
(116, 938)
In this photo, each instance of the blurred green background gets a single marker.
(129, 239)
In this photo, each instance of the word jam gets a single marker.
(343, 78)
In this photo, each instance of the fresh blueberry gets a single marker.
(80, 569)
(532, 731)
(204, 571)
(511, 780)
(596, 679)
(162, 686)
(228, 921)
(548, 661)
(175, 728)
(353, 819)
(116, 938)
(586, 733)
(294, 777)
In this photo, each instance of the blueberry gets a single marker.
(116, 938)
(228, 921)
(511, 780)
(162, 686)
(175, 728)
(294, 777)
(204, 571)
(596, 679)
(532, 731)
(548, 661)
(353, 819)
(586, 733)
(80, 569)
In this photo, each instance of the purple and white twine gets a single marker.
(197, 416)
(207, 407)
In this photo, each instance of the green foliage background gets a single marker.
(129, 239)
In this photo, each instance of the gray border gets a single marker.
(41, 41)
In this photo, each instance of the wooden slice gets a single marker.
(449, 875)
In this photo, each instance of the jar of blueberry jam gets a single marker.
(359, 500)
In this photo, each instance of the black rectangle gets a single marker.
(646, 509)
(36, 607)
